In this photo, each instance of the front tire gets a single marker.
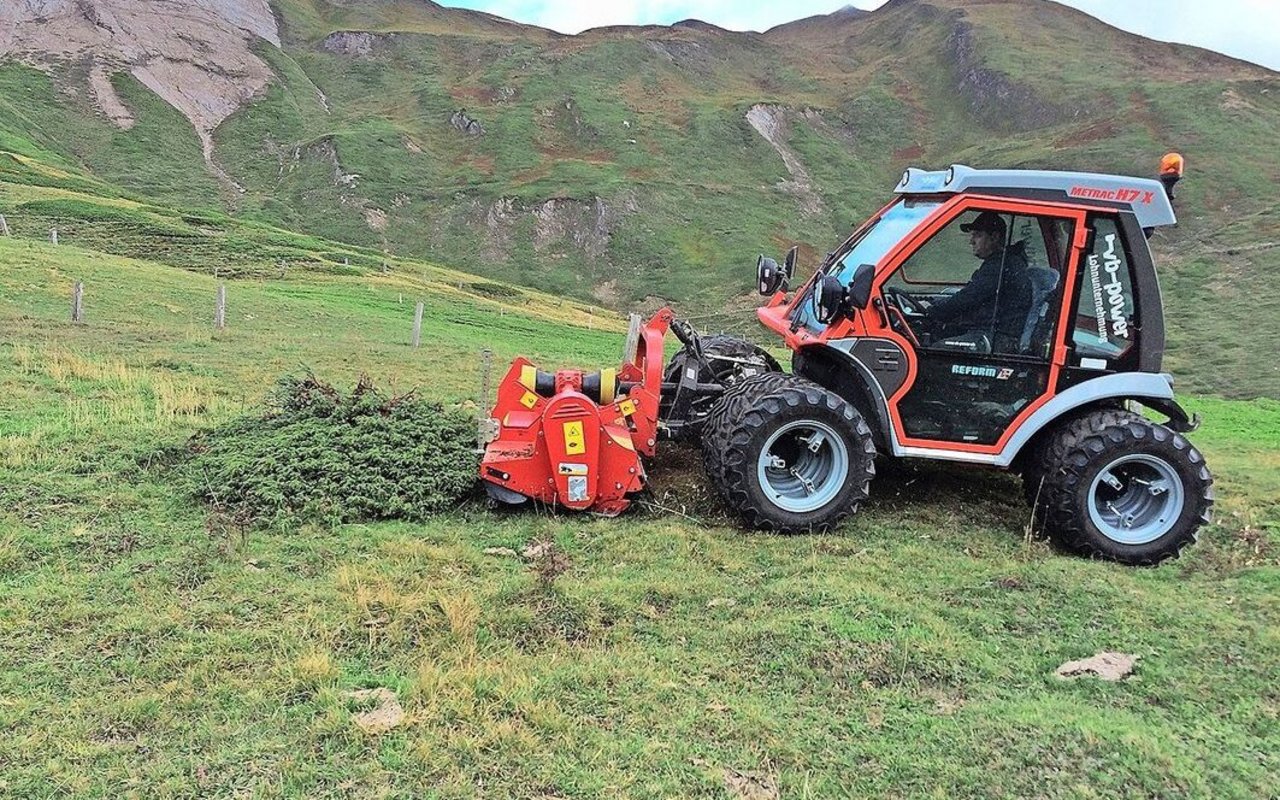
(796, 459)
(726, 411)
(1121, 487)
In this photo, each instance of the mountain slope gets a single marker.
(640, 164)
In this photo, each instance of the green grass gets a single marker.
(154, 649)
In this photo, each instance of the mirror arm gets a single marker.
(884, 315)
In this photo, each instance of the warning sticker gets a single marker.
(529, 400)
(627, 407)
(574, 443)
(567, 468)
(577, 490)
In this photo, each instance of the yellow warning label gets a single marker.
(574, 443)
(529, 400)
(627, 407)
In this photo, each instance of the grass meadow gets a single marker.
(149, 648)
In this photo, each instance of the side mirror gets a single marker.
(828, 299)
(768, 277)
(860, 286)
(789, 264)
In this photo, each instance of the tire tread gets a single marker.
(1064, 466)
(731, 465)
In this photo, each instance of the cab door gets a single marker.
(982, 319)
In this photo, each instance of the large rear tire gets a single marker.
(1116, 485)
(793, 457)
(1047, 454)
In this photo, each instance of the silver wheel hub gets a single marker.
(803, 466)
(1136, 499)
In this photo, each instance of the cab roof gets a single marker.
(1145, 197)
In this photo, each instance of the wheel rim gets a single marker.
(803, 466)
(1136, 499)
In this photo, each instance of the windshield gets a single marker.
(879, 239)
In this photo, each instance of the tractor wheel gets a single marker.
(798, 458)
(731, 359)
(1047, 453)
(1119, 486)
(727, 409)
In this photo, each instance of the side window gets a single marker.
(984, 284)
(1104, 322)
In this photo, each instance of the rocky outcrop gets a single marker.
(376, 219)
(345, 182)
(583, 225)
(354, 44)
(465, 124)
(993, 97)
(195, 54)
(688, 55)
(558, 224)
(773, 124)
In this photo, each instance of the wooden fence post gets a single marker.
(4, 226)
(77, 302)
(417, 325)
(632, 342)
(53, 235)
(220, 309)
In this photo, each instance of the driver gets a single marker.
(997, 297)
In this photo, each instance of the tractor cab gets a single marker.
(978, 296)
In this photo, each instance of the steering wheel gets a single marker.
(904, 301)
(902, 304)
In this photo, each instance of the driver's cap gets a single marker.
(988, 222)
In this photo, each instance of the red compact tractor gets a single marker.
(1004, 318)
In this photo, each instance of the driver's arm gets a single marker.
(978, 292)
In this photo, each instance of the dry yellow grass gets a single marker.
(99, 397)
(136, 394)
(462, 612)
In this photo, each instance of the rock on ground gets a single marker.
(1107, 666)
(385, 715)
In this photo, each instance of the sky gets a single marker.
(1248, 29)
